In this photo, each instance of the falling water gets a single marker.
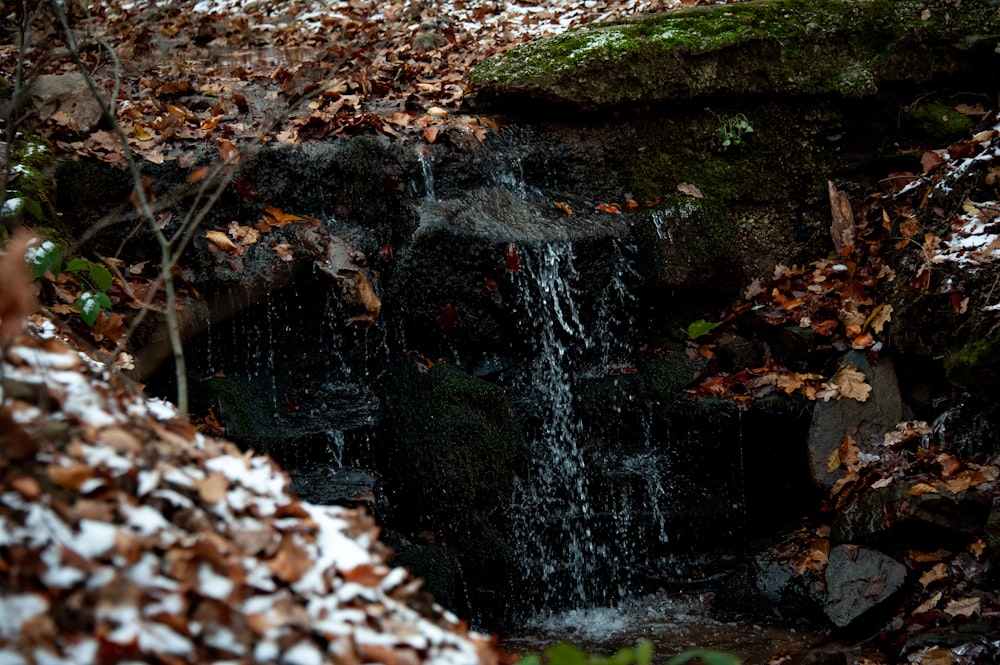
(565, 562)
(551, 523)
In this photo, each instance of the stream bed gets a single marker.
(673, 622)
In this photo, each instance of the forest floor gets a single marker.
(185, 72)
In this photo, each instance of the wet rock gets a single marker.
(859, 580)
(327, 486)
(770, 588)
(892, 512)
(862, 420)
(65, 99)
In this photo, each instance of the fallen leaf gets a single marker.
(564, 207)
(920, 489)
(937, 572)
(842, 224)
(228, 151)
(690, 190)
(963, 607)
(609, 208)
(930, 160)
(430, 134)
(283, 250)
(213, 488)
(849, 382)
(291, 562)
(71, 477)
(221, 240)
(17, 300)
(928, 604)
(511, 260)
(280, 218)
(880, 316)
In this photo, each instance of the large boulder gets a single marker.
(858, 580)
(833, 420)
(786, 46)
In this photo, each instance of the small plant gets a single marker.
(641, 654)
(93, 277)
(732, 130)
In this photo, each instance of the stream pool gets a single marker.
(674, 623)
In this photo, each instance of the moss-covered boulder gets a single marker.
(786, 46)
(449, 469)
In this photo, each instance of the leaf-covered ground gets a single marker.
(186, 73)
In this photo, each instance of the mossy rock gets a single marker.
(772, 46)
(461, 447)
(941, 123)
(31, 189)
(976, 366)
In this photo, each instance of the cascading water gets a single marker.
(550, 506)
(573, 514)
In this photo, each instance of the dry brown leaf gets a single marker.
(920, 489)
(852, 384)
(564, 207)
(842, 224)
(17, 300)
(937, 572)
(283, 250)
(291, 562)
(927, 557)
(690, 190)
(213, 488)
(928, 604)
(880, 316)
(71, 477)
(963, 607)
(221, 240)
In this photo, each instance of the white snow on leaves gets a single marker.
(169, 544)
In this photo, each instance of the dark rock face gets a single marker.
(858, 580)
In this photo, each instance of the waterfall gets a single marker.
(573, 526)
(550, 523)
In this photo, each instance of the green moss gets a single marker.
(976, 365)
(796, 46)
(664, 377)
(463, 441)
(32, 171)
(942, 123)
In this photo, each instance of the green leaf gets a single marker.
(90, 304)
(707, 656)
(77, 265)
(701, 327)
(643, 653)
(565, 654)
(530, 659)
(101, 276)
(34, 208)
(89, 307)
(47, 257)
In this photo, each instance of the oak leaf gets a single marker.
(851, 383)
